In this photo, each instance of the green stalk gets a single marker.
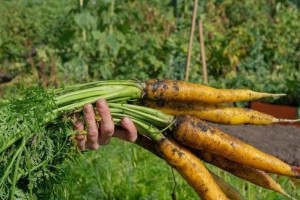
(130, 92)
(11, 141)
(143, 127)
(85, 93)
(16, 154)
(148, 110)
(29, 170)
(35, 168)
(147, 114)
(99, 83)
(15, 175)
(121, 100)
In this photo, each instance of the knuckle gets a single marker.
(108, 130)
(93, 133)
(89, 117)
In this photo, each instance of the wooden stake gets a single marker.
(203, 56)
(188, 62)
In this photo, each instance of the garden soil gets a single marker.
(279, 140)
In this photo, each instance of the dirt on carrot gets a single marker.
(222, 114)
(171, 90)
(191, 168)
(250, 174)
(195, 133)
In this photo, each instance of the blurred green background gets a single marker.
(249, 44)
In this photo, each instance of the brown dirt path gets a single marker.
(278, 140)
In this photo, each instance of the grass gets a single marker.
(123, 170)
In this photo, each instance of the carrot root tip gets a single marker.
(278, 95)
(289, 120)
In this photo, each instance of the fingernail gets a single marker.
(125, 120)
(132, 138)
(101, 102)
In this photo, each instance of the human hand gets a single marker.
(100, 133)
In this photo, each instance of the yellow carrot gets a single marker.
(186, 164)
(228, 190)
(193, 132)
(170, 90)
(191, 168)
(252, 175)
(215, 113)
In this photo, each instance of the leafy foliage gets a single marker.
(249, 44)
(261, 46)
(36, 149)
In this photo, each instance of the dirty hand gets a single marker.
(99, 133)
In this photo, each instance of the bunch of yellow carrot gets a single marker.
(170, 117)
